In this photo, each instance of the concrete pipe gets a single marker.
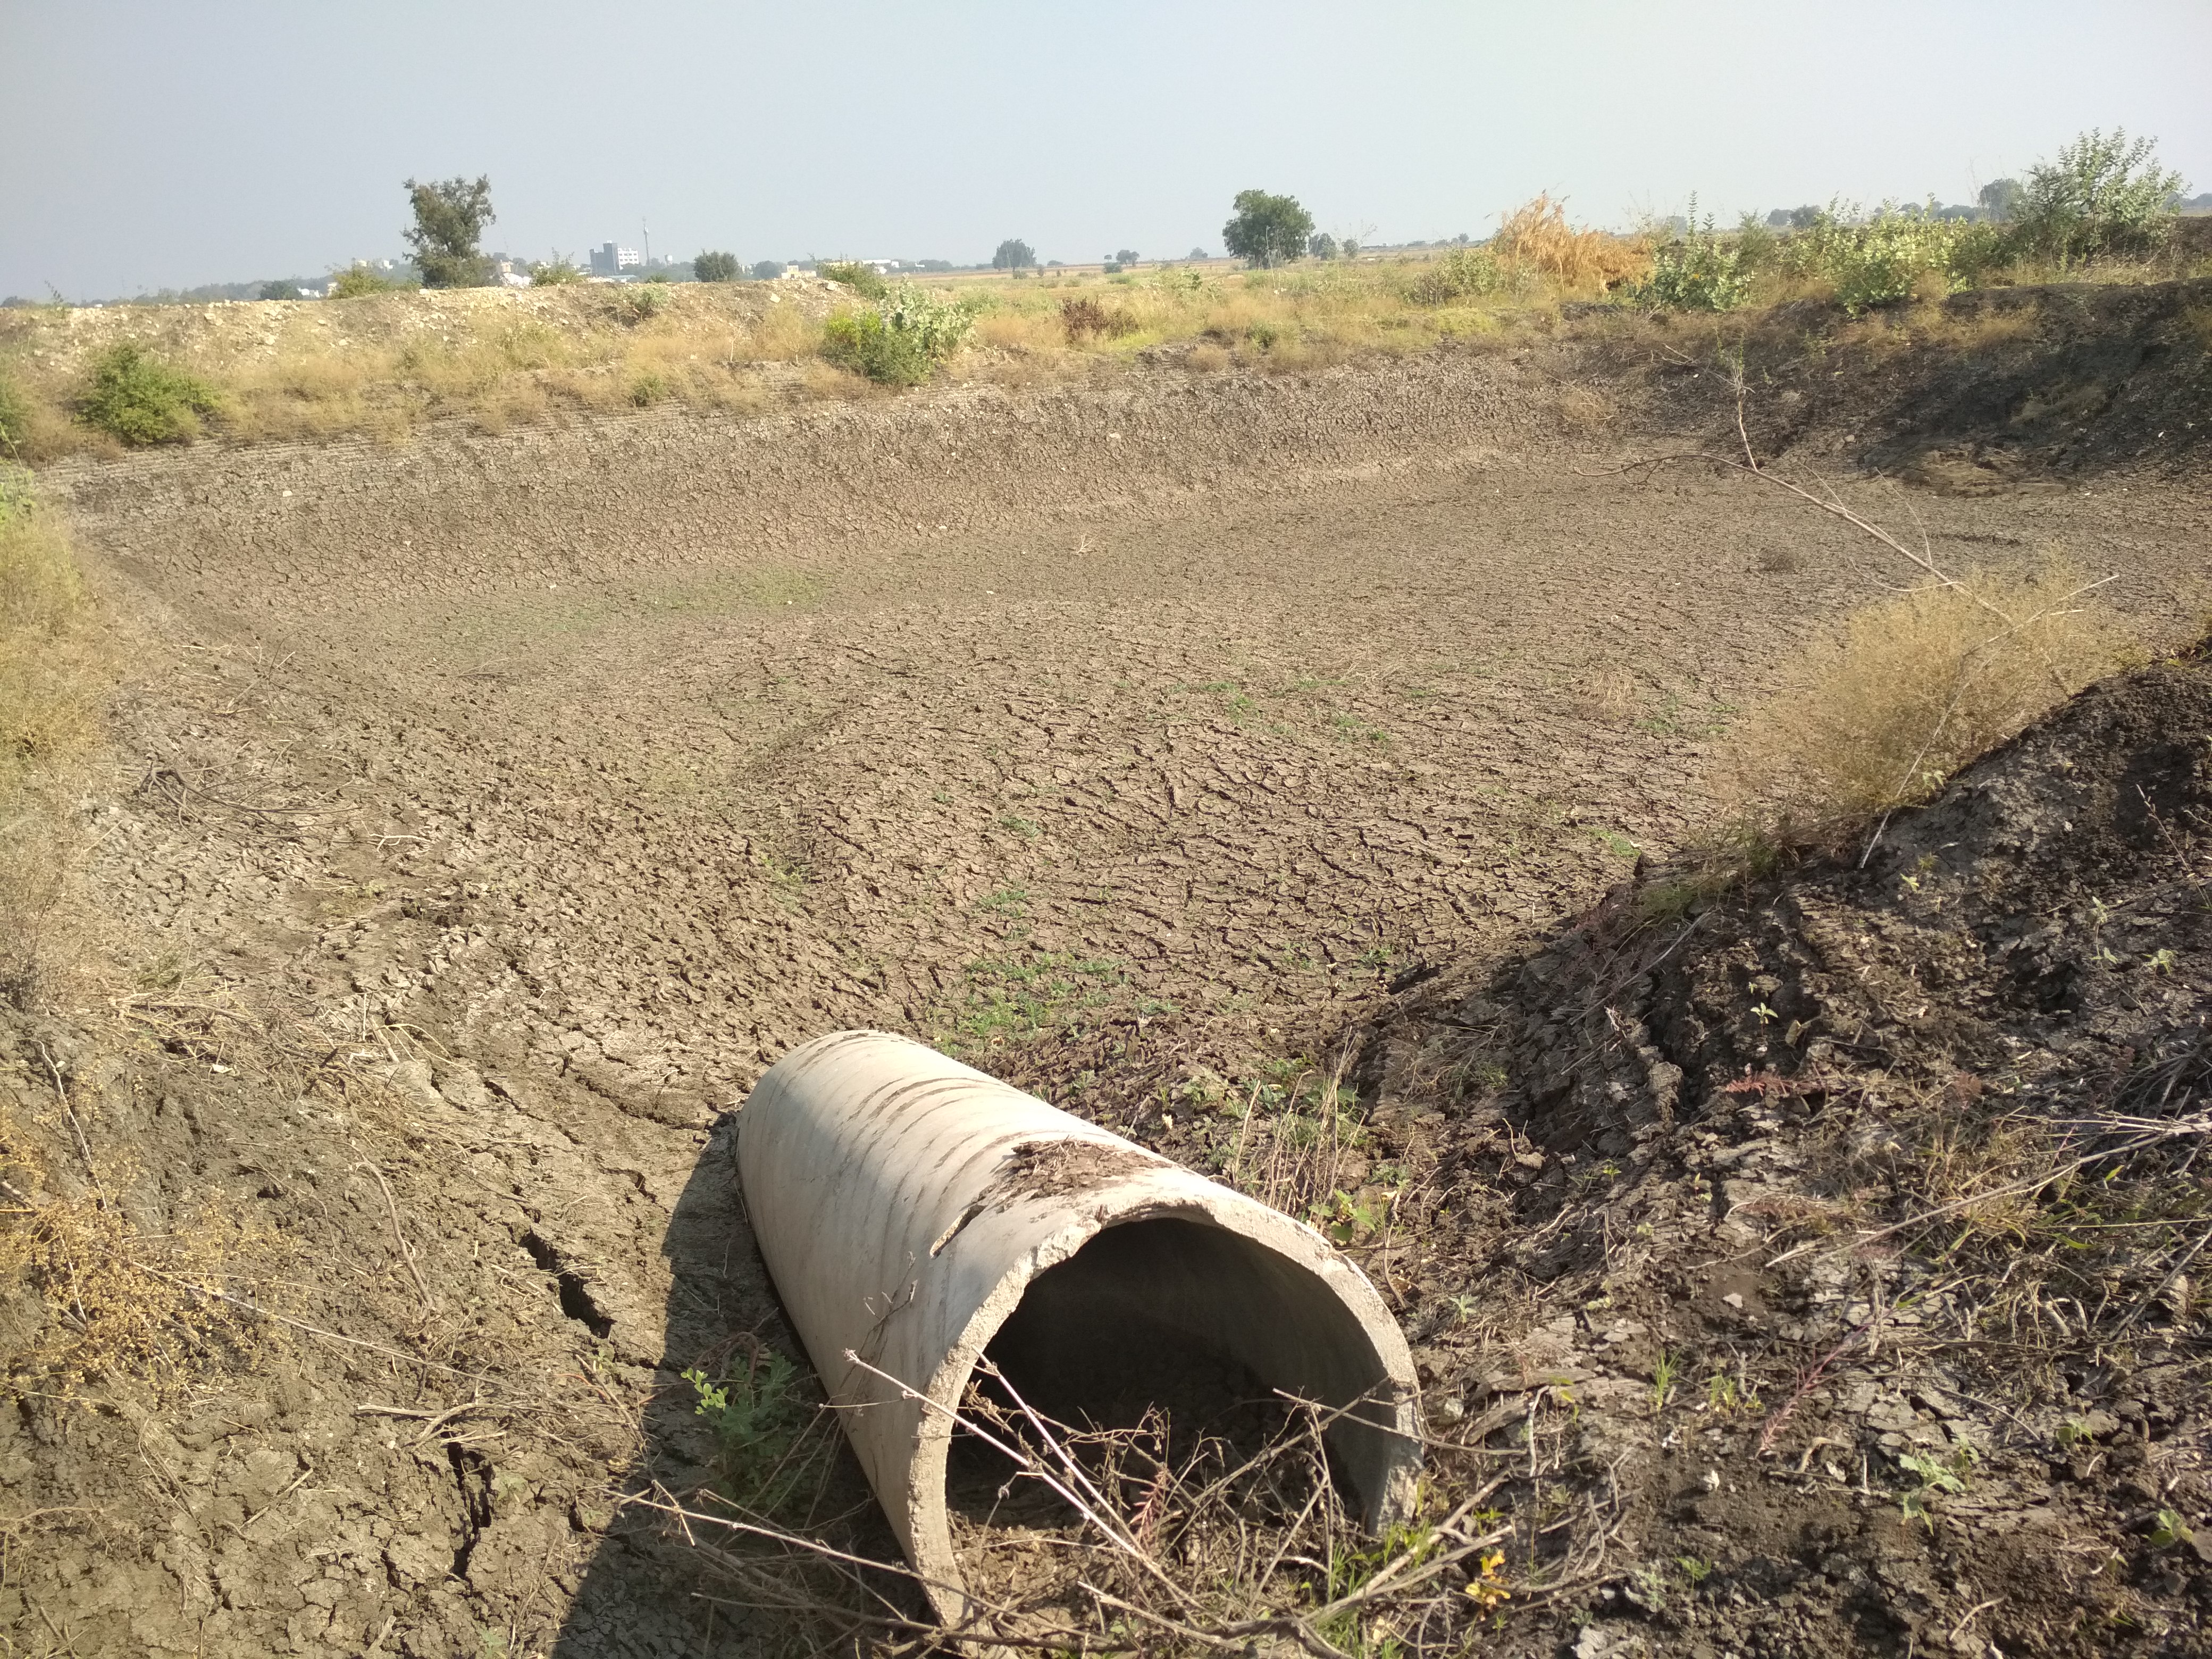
(916, 1212)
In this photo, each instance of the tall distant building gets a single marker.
(612, 261)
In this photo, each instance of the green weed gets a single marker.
(142, 400)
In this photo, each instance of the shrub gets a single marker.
(142, 400)
(902, 341)
(641, 303)
(864, 280)
(356, 281)
(1885, 707)
(1696, 271)
(1085, 317)
(767, 271)
(2101, 197)
(1893, 255)
(1463, 273)
(279, 291)
(715, 267)
(558, 271)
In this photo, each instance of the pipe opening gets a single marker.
(1193, 1322)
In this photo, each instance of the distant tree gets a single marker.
(1999, 198)
(1200, 253)
(1126, 256)
(1013, 254)
(449, 219)
(767, 271)
(715, 267)
(1347, 249)
(1803, 218)
(1321, 246)
(280, 291)
(1267, 230)
(2100, 197)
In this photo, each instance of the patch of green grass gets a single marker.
(1016, 998)
(1013, 824)
(760, 1418)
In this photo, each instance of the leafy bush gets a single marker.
(864, 280)
(715, 267)
(1464, 273)
(558, 271)
(1897, 254)
(142, 400)
(902, 341)
(2102, 197)
(640, 303)
(1697, 271)
(357, 281)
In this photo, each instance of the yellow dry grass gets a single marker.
(1536, 237)
(1892, 700)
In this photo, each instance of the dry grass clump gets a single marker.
(1536, 237)
(49, 720)
(1886, 704)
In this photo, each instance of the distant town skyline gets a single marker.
(155, 146)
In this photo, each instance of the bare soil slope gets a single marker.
(490, 811)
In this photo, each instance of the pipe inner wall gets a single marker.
(915, 1213)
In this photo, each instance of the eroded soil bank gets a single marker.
(487, 811)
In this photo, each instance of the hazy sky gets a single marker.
(150, 143)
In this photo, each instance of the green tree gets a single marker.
(2100, 197)
(449, 218)
(715, 267)
(1323, 245)
(1999, 198)
(1126, 256)
(555, 272)
(279, 291)
(767, 271)
(1267, 230)
(1013, 254)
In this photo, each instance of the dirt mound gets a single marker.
(1857, 1210)
(1991, 390)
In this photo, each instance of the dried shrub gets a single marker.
(1887, 704)
(1536, 237)
(1084, 318)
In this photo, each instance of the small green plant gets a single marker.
(759, 1420)
(1662, 1381)
(1347, 1220)
(641, 302)
(648, 390)
(142, 400)
(864, 280)
(558, 271)
(2168, 1528)
(1935, 1475)
(1698, 270)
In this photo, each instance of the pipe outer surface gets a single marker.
(904, 1203)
